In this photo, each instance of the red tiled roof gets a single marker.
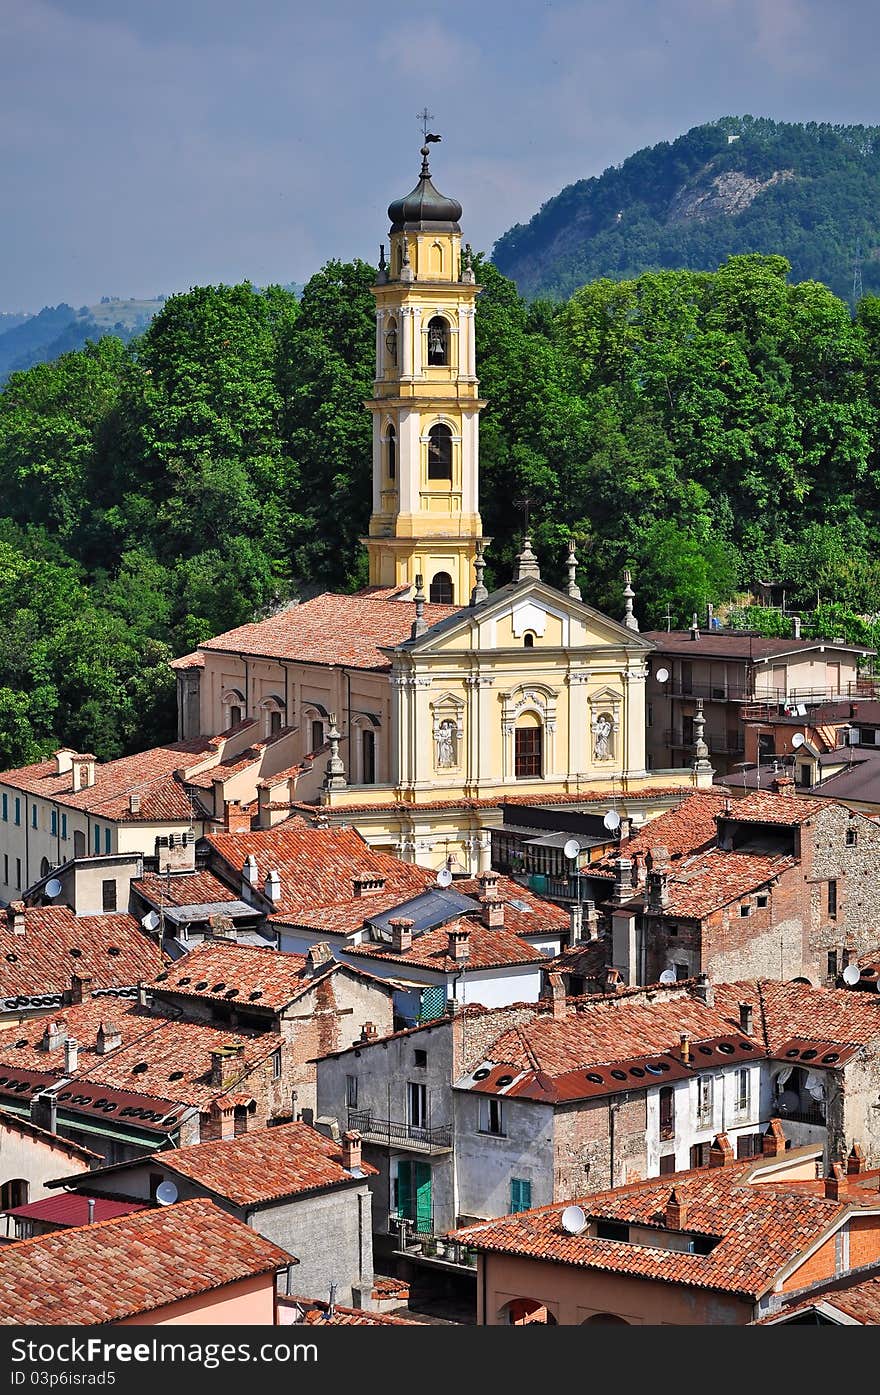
(784, 1011)
(133, 1264)
(489, 949)
(112, 950)
(763, 806)
(194, 660)
(586, 960)
(731, 644)
(687, 829)
(761, 1227)
(317, 866)
(265, 1165)
(245, 974)
(72, 1208)
(709, 880)
(316, 1314)
(331, 629)
(149, 774)
(598, 796)
(539, 915)
(861, 1302)
(183, 889)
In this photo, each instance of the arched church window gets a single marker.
(528, 640)
(438, 342)
(391, 446)
(440, 453)
(529, 748)
(368, 758)
(391, 341)
(442, 592)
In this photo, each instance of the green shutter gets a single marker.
(520, 1195)
(404, 1190)
(424, 1209)
(433, 1003)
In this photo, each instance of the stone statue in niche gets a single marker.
(446, 742)
(602, 730)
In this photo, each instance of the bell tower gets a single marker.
(425, 403)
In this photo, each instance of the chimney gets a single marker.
(63, 760)
(685, 1043)
(576, 916)
(612, 980)
(836, 1183)
(250, 875)
(783, 784)
(107, 1039)
(746, 1019)
(369, 1032)
(623, 879)
(71, 1055)
(555, 991)
(401, 934)
(704, 991)
(83, 771)
(226, 1064)
(44, 1111)
(773, 1143)
(676, 1212)
(695, 627)
(80, 988)
(134, 803)
(54, 1035)
(351, 1150)
(721, 1153)
(657, 891)
(222, 926)
(856, 1161)
(367, 884)
(318, 956)
(488, 883)
(141, 993)
(795, 627)
(91, 1209)
(493, 911)
(235, 819)
(272, 887)
(15, 917)
(459, 945)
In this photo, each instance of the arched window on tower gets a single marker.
(391, 447)
(391, 342)
(442, 592)
(438, 342)
(440, 453)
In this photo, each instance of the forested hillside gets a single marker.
(704, 429)
(810, 193)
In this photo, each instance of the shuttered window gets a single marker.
(520, 1195)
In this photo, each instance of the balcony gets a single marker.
(709, 692)
(730, 745)
(391, 1133)
(805, 1111)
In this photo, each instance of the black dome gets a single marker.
(425, 208)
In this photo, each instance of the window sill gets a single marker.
(490, 1133)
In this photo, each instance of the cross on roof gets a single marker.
(425, 117)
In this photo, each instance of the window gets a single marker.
(649, 714)
(108, 836)
(528, 640)
(17, 810)
(5, 808)
(832, 898)
(745, 909)
(743, 1096)
(391, 452)
(368, 757)
(441, 591)
(687, 676)
(438, 342)
(667, 1112)
(667, 1164)
(528, 752)
(317, 735)
(421, 1059)
(832, 963)
(108, 894)
(762, 900)
(13, 1193)
(491, 1116)
(687, 731)
(520, 1194)
(351, 1091)
(53, 822)
(440, 453)
(234, 716)
(97, 838)
(681, 971)
(35, 817)
(18, 873)
(749, 1145)
(6, 868)
(852, 837)
(64, 828)
(276, 1064)
(804, 776)
(705, 1097)
(274, 722)
(700, 1154)
(416, 1105)
(612, 1230)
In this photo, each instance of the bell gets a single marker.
(435, 342)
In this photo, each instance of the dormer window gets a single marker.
(438, 342)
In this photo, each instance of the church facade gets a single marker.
(412, 708)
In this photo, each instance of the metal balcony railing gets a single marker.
(393, 1133)
(731, 744)
(806, 1111)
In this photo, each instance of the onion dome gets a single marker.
(425, 209)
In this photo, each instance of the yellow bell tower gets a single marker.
(425, 407)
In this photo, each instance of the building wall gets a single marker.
(247, 1303)
(35, 1160)
(485, 1163)
(331, 1236)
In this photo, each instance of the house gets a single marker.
(61, 1212)
(306, 1193)
(842, 1303)
(48, 956)
(31, 1156)
(190, 1263)
(725, 671)
(720, 1246)
(193, 904)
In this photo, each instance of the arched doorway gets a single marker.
(526, 1312)
(604, 1317)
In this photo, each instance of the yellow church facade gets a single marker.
(413, 708)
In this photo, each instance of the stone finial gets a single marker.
(420, 624)
(695, 626)
(467, 269)
(527, 562)
(334, 778)
(479, 593)
(382, 273)
(629, 596)
(701, 750)
(572, 589)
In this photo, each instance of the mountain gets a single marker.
(58, 329)
(741, 184)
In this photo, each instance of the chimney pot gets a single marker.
(856, 1161)
(107, 1039)
(226, 1063)
(492, 910)
(235, 819)
(773, 1144)
(685, 1042)
(134, 803)
(15, 917)
(704, 991)
(795, 627)
(721, 1153)
(318, 956)
(401, 934)
(351, 1150)
(836, 1183)
(555, 991)
(459, 945)
(272, 887)
(250, 875)
(91, 1208)
(369, 1032)
(80, 988)
(71, 1055)
(746, 1018)
(676, 1212)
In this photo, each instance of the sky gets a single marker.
(150, 145)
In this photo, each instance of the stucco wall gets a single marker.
(248, 1303)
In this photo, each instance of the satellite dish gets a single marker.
(53, 887)
(444, 877)
(612, 820)
(798, 740)
(166, 1193)
(662, 675)
(668, 976)
(573, 1220)
(572, 848)
(150, 920)
(851, 975)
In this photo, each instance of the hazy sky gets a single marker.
(150, 145)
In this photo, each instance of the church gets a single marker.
(413, 707)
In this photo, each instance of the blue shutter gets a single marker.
(64, 826)
(107, 837)
(520, 1195)
(54, 823)
(97, 839)
(34, 817)
(5, 807)
(18, 810)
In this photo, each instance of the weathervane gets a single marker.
(428, 137)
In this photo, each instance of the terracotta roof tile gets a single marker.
(148, 774)
(72, 1208)
(687, 829)
(52, 1140)
(316, 1314)
(861, 1302)
(735, 645)
(764, 806)
(488, 949)
(245, 974)
(797, 1010)
(112, 950)
(710, 880)
(183, 889)
(133, 1264)
(331, 629)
